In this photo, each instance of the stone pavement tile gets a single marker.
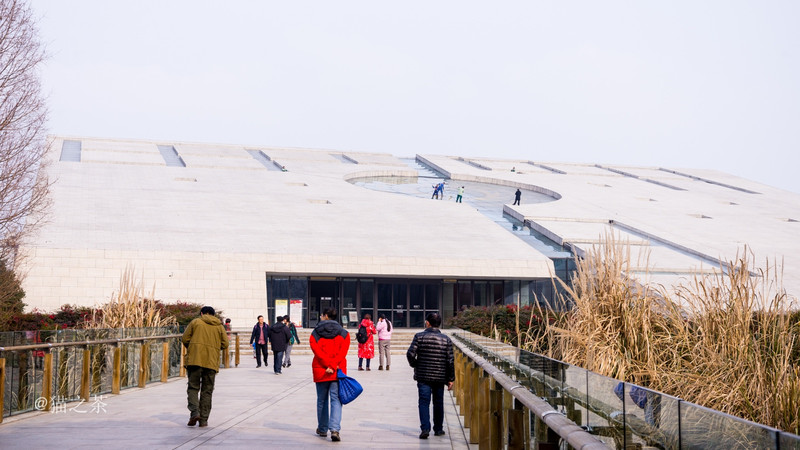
(251, 407)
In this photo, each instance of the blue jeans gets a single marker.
(426, 390)
(327, 389)
(277, 361)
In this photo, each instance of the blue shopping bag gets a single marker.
(349, 388)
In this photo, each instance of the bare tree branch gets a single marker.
(24, 187)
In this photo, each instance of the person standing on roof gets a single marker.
(517, 196)
(460, 194)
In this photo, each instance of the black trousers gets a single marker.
(261, 349)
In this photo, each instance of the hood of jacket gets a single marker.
(211, 320)
(277, 327)
(329, 329)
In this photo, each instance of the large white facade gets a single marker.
(211, 230)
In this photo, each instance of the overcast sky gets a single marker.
(679, 84)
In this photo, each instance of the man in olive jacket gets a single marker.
(204, 339)
(431, 356)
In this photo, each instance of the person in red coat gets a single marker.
(367, 349)
(329, 342)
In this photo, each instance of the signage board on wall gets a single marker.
(296, 311)
(281, 307)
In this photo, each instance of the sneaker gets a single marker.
(438, 433)
(360, 368)
(335, 436)
(258, 366)
(367, 368)
(322, 433)
(289, 365)
(387, 367)
(203, 423)
(193, 421)
(380, 367)
(424, 435)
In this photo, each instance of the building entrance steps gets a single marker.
(251, 408)
(401, 339)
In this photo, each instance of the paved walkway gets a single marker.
(252, 408)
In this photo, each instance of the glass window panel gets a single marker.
(384, 296)
(400, 296)
(432, 297)
(496, 291)
(399, 318)
(510, 292)
(349, 301)
(416, 296)
(367, 295)
(479, 293)
(416, 319)
(386, 312)
(464, 295)
(524, 293)
(448, 301)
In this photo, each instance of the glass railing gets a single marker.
(52, 372)
(620, 414)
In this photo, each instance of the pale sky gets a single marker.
(679, 84)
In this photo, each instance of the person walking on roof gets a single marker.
(460, 194)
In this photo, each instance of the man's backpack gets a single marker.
(361, 336)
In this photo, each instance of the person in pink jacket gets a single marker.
(384, 328)
(367, 349)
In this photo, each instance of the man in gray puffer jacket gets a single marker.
(431, 356)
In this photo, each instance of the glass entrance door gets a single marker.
(321, 296)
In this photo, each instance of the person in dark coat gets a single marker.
(517, 196)
(260, 336)
(431, 356)
(279, 339)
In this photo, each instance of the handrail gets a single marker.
(46, 345)
(554, 419)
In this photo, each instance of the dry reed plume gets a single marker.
(130, 307)
(722, 341)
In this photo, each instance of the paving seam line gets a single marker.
(227, 425)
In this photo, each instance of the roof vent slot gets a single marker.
(263, 158)
(70, 151)
(170, 155)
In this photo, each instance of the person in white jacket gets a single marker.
(384, 328)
